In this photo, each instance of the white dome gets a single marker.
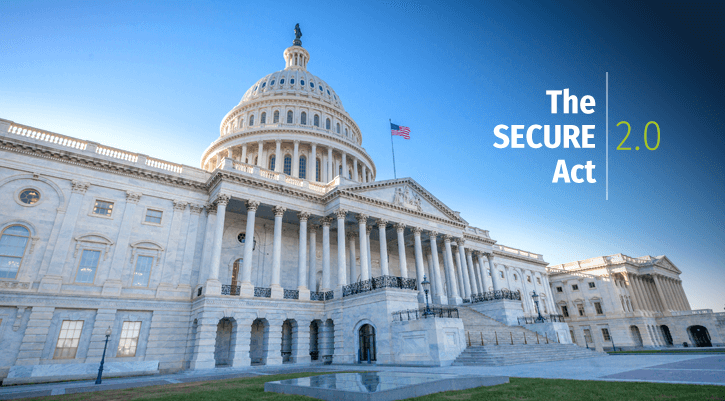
(292, 82)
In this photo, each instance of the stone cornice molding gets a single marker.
(241, 179)
(478, 239)
(78, 158)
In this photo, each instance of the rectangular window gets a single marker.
(588, 335)
(592, 285)
(559, 289)
(575, 287)
(153, 216)
(103, 208)
(87, 267)
(129, 339)
(565, 311)
(501, 273)
(605, 334)
(598, 308)
(538, 280)
(143, 271)
(573, 338)
(581, 310)
(70, 334)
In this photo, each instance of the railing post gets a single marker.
(547, 337)
(468, 334)
(482, 339)
(537, 337)
(512, 338)
(557, 338)
(525, 342)
(496, 334)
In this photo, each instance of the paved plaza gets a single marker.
(685, 369)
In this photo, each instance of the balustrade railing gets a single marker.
(260, 292)
(547, 319)
(321, 296)
(494, 295)
(291, 294)
(231, 289)
(420, 313)
(379, 282)
(45, 136)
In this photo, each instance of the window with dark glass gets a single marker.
(316, 120)
(142, 273)
(575, 287)
(29, 196)
(13, 242)
(598, 308)
(271, 83)
(559, 289)
(290, 117)
(605, 334)
(303, 118)
(292, 81)
(271, 162)
(281, 81)
(327, 124)
(103, 208)
(317, 169)
(580, 307)
(288, 165)
(592, 285)
(251, 120)
(303, 167)
(263, 120)
(302, 82)
(275, 117)
(565, 311)
(312, 85)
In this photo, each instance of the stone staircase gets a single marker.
(492, 343)
(492, 355)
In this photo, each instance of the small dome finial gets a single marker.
(298, 35)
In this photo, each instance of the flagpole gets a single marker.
(395, 174)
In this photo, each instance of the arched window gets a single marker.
(241, 123)
(339, 170)
(303, 167)
(271, 162)
(263, 120)
(317, 169)
(349, 174)
(290, 117)
(256, 160)
(251, 120)
(288, 165)
(317, 120)
(338, 128)
(13, 242)
(327, 124)
(276, 117)
(345, 131)
(303, 118)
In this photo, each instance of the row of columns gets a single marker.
(468, 278)
(329, 162)
(657, 293)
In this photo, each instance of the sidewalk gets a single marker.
(687, 369)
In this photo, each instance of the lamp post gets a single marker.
(426, 284)
(103, 358)
(539, 319)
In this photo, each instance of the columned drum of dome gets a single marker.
(306, 101)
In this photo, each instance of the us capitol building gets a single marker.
(282, 248)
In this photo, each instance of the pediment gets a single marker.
(408, 194)
(665, 263)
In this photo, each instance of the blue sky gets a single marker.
(157, 78)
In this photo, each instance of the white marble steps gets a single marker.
(478, 325)
(492, 355)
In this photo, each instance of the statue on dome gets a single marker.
(298, 35)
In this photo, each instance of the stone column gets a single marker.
(642, 291)
(330, 175)
(669, 294)
(325, 285)
(273, 345)
(368, 230)
(648, 292)
(457, 268)
(53, 279)
(467, 284)
(550, 295)
(362, 226)
(112, 284)
(353, 257)
(449, 257)
(296, 159)
(403, 263)
(431, 273)
(661, 294)
(277, 291)
(341, 262)
(313, 153)
(485, 282)
(630, 289)
(172, 244)
(472, 273)
(204, 343)
(418, 260)
(494, 273)
(260, 155)
(312, 281)
(440, 295)
(364, 173)
(246, 287)
(302, 268)
(344, 164)
(208, 244)
(382, 225)
(213, 285)
(278, 162)
(244, 153)
(678, 295)
(673, 289)
(354, 169)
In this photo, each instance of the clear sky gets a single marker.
(157, 78)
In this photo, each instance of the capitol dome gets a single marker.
(297, 116)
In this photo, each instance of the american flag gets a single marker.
(400, 130)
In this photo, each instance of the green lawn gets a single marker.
(673, 351)
(519, 389)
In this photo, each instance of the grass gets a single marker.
(521, 389)
(674, 351)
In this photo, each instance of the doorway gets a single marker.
(366, 351)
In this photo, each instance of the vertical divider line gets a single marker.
(607, 136)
